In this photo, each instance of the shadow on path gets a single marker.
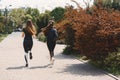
(80, 68)
(63, 56)
(18, 67)
(37, 67)
(21, 67)
(84, 69)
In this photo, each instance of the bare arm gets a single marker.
(34, 36)
(23, 34)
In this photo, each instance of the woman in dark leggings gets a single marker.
(27, 33)
(51, 35)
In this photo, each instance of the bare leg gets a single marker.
(26, 59)
(50, 57)
(30, 53)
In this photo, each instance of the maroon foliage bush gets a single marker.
(95, 35)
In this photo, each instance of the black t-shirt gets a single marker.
(28, 36)
(52, 34)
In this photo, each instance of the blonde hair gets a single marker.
(30, 27)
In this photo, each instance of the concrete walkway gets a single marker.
(65, 67)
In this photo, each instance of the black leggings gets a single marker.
(51, 46)
(27, 44)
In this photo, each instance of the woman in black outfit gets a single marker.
(27, 33)
(51, 35)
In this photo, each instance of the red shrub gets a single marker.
(96, 34)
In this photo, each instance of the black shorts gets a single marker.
(27, 44)
(51, 45)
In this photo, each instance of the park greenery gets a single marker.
(93, 32)
(2, 36)
(17, 17)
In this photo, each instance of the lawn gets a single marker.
(2, 36)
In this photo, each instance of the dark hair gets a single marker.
(51, 23)
(49, 26)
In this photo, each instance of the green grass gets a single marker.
(2, 36)
(113, 70)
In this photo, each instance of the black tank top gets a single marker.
(28, 36)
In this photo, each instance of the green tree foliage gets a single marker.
(27, 16)
(58, 13)
(18, 16)
(0, 13)
(2, 24)
(109, 3)
(42, 21)
(34, 12)
(2, 19)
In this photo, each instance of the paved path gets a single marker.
(65, 67)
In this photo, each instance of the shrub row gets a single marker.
(95, 34)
